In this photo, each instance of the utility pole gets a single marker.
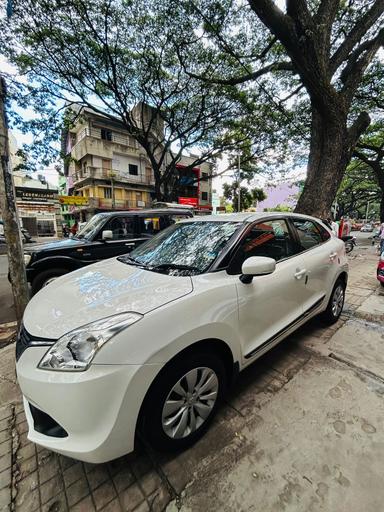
(366, 213)
(238, 192)
(12, 230)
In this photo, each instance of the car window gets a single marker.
(308, 233)
(151, 225)
(268, 238)
(324, 233)
(121, 227)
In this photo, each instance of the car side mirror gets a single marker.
(256, 266)
(107, 234)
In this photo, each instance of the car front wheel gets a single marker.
(335, 304)
(182, 401)
(46, 277)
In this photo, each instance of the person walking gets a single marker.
(381, 237)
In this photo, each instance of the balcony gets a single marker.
(122, 204)
(109, 174)
(106, 204)
(89, 141)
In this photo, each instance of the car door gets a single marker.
(270, 304)
(124, 237)
(319, 253)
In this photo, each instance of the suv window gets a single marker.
(121, 227)
(308, 232)
(148, 226)
(269, 238)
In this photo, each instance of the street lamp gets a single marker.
(238, 192)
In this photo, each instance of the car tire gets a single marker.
(335, 304)
(42, 279)
(175, 414)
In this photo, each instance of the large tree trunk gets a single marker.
(10, 218)
(332, 144)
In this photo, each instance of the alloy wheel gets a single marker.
(337, 300)
(190, 402)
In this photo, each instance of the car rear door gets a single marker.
(272, 304)
(320, 261)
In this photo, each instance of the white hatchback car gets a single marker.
(148, 342)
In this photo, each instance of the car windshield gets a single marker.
(91, 228)
(187, 248)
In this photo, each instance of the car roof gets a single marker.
(149, 211)
(247, 217)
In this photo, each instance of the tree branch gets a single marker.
(358, 62)
(358, 31)
(276, 66)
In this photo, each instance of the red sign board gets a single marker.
(192, 201)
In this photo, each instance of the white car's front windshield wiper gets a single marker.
(173, 266)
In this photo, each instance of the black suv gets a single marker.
(104, 236)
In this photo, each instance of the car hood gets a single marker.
(97, 291)
(58, 244)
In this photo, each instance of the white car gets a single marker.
(149, 342)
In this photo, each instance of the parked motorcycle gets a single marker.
(350, 242)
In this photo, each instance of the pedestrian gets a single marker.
(333, 226)
(74, 228)
(381, 237)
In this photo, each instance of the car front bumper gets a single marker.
(96, 411)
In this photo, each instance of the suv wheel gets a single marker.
(46, 277)
(182, 401)
(335, 304)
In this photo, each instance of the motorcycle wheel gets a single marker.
(348, 248)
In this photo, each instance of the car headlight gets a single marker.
(27, 259)
(75, 350)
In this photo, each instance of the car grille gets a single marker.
(26, 340)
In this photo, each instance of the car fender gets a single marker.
(169, 329)
(57, 261)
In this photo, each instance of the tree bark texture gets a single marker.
(331, 148)
(10, 218)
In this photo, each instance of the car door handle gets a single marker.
(300, 273)
(130, 244)
(333, 255)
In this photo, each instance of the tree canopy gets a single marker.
(248, 197)
(113, 57)
(282, 86)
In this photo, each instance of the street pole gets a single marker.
(238, 192)
(366, 213)
(8, 209)
(113, 192)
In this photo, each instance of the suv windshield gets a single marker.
(91, 227)
(187, 248)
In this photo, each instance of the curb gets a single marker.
(7, 333)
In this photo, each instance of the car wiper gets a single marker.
(175, 266)
(131, 261)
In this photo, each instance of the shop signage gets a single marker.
(192, 201)
(35, 194)
(74, 200)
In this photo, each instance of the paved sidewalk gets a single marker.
(290, 437)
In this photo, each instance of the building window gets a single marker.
(204, 196)
(107, 193)
(106, 134)
(204, 175)
(133, 169)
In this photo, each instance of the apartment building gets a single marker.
(109, 168)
